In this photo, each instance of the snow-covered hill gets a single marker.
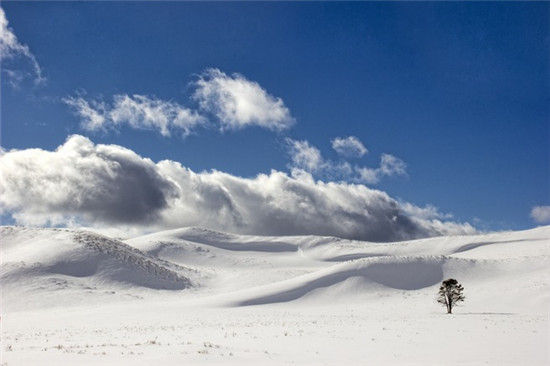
(39, 263)
(193, 295)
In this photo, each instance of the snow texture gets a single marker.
(193, 296)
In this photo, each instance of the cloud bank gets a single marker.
(136, 111)
(105, 185)
(82, 181)
(238, 102)
(541, 214)
(11, 48)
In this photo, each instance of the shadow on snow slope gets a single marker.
(31, 254)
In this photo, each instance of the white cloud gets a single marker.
(235, 101)
(11, 48)
(305, 157)
(427, 212)
(137, 111)
(108, 185)
(367, 175)
(541, 214)
(150, 113)
(389, 166)
(79, 179)
(238, 102)
(350, 146)
(92, 113)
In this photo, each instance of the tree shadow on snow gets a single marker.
(484, 313)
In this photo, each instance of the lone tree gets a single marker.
(450, 293)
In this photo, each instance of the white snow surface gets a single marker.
(195, 296)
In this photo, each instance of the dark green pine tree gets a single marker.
(450, 293)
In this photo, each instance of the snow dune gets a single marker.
(304, 264)
(214, 286)
(42, 260)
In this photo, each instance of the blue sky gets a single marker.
(458, 91)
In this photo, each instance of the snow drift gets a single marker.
(194, 295)
(32, 256)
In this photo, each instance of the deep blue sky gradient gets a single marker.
(460, 91)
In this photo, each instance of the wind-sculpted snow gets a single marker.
(159, 270)
(533, 242)
(401, 274)
(332, 262)
(83, 255)
(227, 241)
(382, 274)
(194, 295)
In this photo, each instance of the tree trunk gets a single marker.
(448, 302)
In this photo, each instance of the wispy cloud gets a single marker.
(427, 212)
(233, 101)
(238, 102)
(308, 158)
(11, 48)
(350, 146)
(389, 166)
(304, 156)
(95, 184)
(136, 111)
(92, 113)
(541, 214)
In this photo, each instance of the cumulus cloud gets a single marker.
(350, 146)
(234, 101)
(80, 180)
(111, 185)
(11, 48)
(541, 214)
(136, 111)
(307, 158)
(238, 102)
